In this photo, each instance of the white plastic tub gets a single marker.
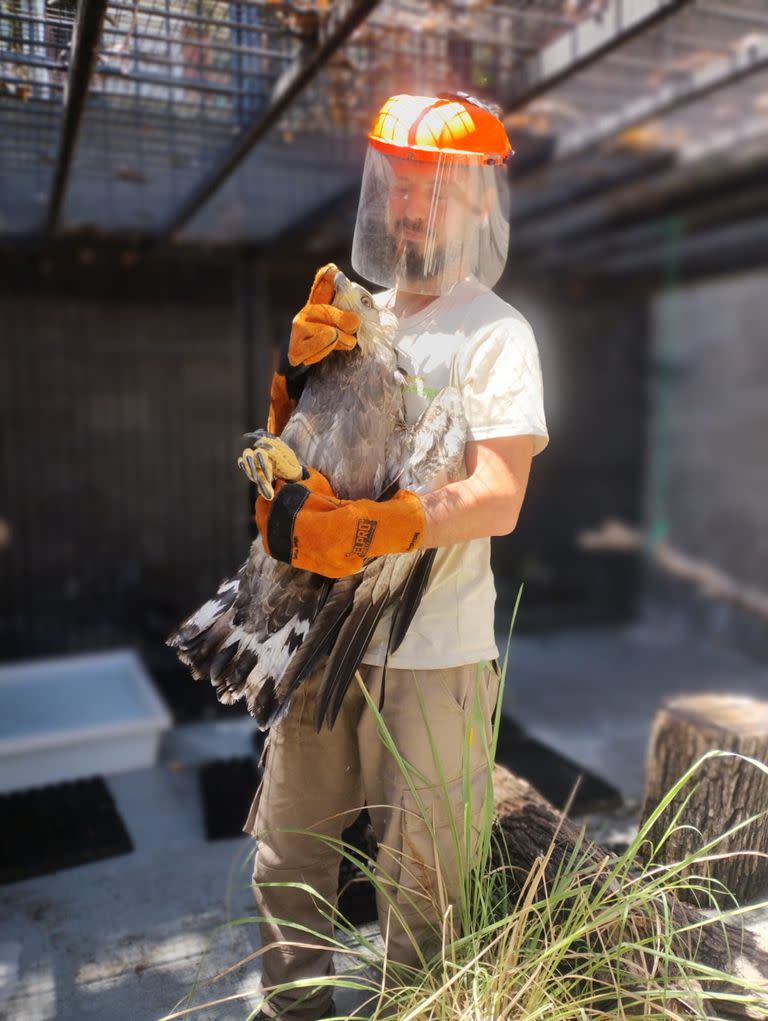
(75, 716)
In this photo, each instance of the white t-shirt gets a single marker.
(472, 338)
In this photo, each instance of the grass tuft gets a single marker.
(573, 942)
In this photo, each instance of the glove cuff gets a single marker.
(400, 525)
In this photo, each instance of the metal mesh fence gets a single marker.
(176, 83)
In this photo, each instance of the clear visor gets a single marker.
(426, 225)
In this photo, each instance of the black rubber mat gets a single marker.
(552, 774)
(45, 829)
(227, 787)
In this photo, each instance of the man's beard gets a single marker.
(416, 267)
(409, 259)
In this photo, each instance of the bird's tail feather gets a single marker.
(371, 600)
(406, 610)
(409, 603)
(384, 581)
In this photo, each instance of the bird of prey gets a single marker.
(271, 625)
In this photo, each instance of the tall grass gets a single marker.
(579, 941)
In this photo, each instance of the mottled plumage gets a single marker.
(271, 625)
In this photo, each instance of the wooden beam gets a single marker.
(87, 33)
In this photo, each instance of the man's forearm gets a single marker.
(458, 513)
(486, 503)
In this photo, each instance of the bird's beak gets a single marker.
(340, 284)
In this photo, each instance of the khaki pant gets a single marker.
(321, 781)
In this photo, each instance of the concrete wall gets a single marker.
(708, 440)
(593, 346)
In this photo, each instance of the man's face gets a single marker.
(426, 211)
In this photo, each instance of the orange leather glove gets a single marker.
(320, 328)
(307, 526)
(283, 397)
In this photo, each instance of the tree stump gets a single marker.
(533, 831)
(726, 790)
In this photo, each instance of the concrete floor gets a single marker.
(126, 939)
(592, 694)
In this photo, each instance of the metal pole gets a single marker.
(588, 41)
(657, 528)
(143, 77)
(349, 14)
(90, 19)
(716, 74)
(747, 16)
(688, 183)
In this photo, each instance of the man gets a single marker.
(432, 229)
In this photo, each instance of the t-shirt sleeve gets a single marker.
(501, 385)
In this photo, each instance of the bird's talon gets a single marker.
(264, 465)
(264, 488)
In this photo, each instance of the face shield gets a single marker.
(425, 224)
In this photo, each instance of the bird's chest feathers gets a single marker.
(349, 411)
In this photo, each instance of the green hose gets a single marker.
(658, 524)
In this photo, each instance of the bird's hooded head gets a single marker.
(377, 325)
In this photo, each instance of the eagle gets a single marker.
(271, 625)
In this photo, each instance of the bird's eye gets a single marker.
(366, 301)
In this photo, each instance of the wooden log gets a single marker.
(533, 831)
(706, 576)
(726, 790)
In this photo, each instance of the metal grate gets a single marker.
(173, 84)
(228, 121)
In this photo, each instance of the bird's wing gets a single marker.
(435, 448)
(197, 638)
(344, 626)
(269, 627)
(243, 639)
(248, 639)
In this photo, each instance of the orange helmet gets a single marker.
(456, 126)
(434, 199)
